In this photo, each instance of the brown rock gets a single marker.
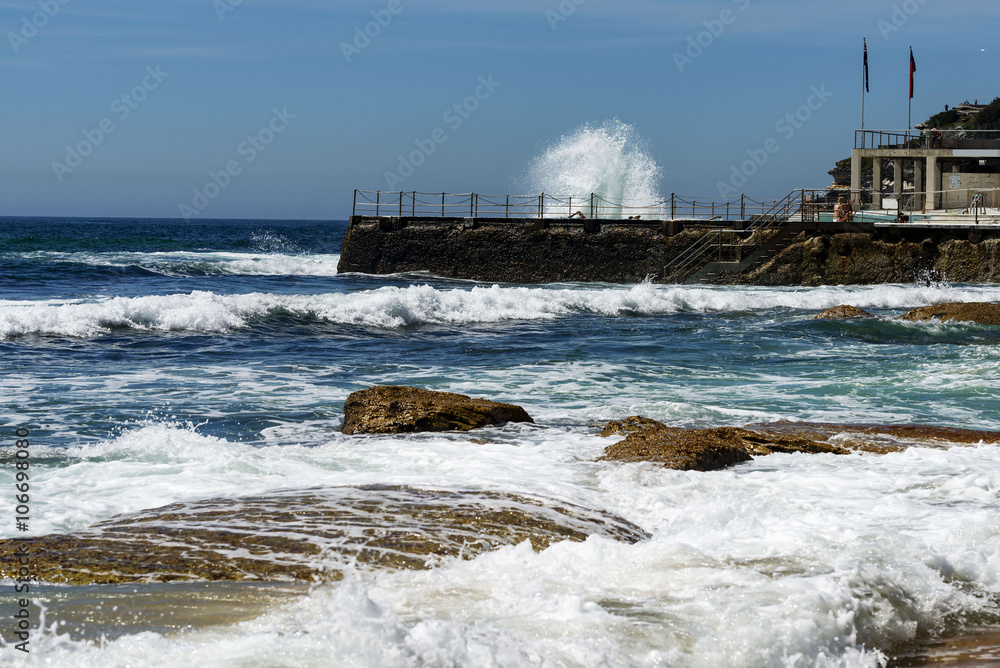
(861, 435)
(843, 312)
(390, 409)
(708, 449)
(984, 313)
(631, 425)
(308, 535)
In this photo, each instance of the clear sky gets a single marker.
(126, 107)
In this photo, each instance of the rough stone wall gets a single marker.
(862, 259)
(526, 253)
(514, 253)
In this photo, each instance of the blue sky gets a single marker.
(263, 98)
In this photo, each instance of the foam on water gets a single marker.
(395, 307)
(791, 560)
(181, 263)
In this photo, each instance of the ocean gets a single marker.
(159, 362)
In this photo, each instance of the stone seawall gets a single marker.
(543, 251)
(852, 259)
(513, 252)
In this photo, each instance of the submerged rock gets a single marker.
(871, 437)
(843, 312)
(309, 535)
(711, 449)
(631, 425)
(706, 449)
(391, 409)
(984, 313)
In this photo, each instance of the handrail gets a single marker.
(420, 204)
(699, 252)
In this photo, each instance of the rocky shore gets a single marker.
(315, 534)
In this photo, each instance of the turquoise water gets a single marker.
(158, 362)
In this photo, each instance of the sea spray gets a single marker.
(609, 160)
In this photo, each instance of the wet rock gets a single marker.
(631, 425)
(309, 535)
(390, 409)
(984, 313)
(681, 449)
(708, 449)
(879, 439)
(843, 312)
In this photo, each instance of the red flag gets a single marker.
(865, 41)
(913, 68)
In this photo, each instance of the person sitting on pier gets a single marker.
(841, 211)
(902, 218)
(578, 214)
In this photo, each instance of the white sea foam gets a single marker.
(791, 560)
(394, 307)
(607, 159)
(183, 263)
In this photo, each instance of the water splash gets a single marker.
(609, 159)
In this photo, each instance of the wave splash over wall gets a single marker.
(610, 160)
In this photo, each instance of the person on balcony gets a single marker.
(936, 137)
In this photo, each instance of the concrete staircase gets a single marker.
(757, 257)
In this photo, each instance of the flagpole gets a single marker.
(864, 83)
(863, 94)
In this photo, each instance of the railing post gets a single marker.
(541, 204)
(506, 208)
(354, 209)
(743, 206)
(378, 197)
(570, 205)
(592, 206)
(413, 203)
(673, 206)
(442, 204)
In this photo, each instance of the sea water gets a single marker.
(159, 362)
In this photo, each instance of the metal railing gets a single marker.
(728, 246)
(927, 139)
(415, 204)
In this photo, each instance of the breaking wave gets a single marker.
(609, 159)
(395, 307)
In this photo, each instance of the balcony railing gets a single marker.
(927, 139)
